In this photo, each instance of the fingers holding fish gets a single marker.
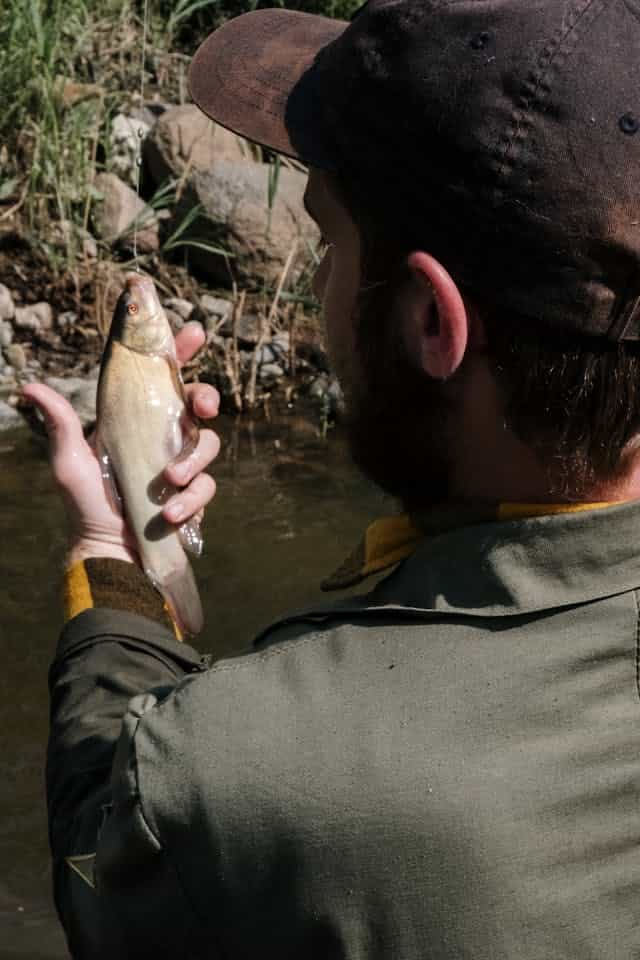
(188, 341)
(191, 500)
(204, 400)
(181, 472)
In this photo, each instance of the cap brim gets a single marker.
(252, 76)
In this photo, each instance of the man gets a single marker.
(449, 765)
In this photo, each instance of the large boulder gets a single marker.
(236, 218)
(184, 138)
(113, 216)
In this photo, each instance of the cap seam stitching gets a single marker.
(521, 118)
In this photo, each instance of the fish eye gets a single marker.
(132, 308)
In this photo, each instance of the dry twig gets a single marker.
(265, 328)
(231, 354)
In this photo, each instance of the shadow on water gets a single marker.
(289, 508)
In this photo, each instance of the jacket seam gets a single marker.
(164, 846)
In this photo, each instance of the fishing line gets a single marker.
(145, 20)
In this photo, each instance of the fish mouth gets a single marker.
(141, 289)
(140, 280)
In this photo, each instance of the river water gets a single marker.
(289, 508)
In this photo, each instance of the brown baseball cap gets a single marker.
(503, 136)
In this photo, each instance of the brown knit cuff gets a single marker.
(116, 585)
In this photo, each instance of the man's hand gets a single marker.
(97, 528)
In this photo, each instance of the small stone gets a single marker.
(44, 314)
(89, 245)
(9, 417)
(270, 373)
(281, 343)
(114, 218)
(7, 306)
(16, 356)
(249, 328)
(216, 306)
(35, 316)
(26, 319)
(266, 355)
(6, 334)
(126, 135)
(180, 306)
(67, 320)
(318, 388)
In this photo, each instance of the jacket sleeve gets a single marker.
(105, 658)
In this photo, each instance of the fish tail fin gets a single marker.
(180, 591)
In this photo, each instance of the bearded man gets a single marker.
(448, 765)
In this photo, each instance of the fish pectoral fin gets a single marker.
(190, 536)
(108, 475)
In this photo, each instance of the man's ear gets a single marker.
(436, 324)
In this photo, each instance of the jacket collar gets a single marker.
(520, 566)
(507, 568)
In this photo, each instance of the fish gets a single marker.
(142, 424)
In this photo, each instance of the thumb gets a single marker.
(67, 445)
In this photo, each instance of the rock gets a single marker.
(115, 214)
(6, 334)
(9, 417)
(267, 354)
(249, 328)
(89, 245)
(327, 390)
(182, 307)
(237, 219)
(35, 316)
(184, 135)
(7, 307)
(67, 320)
(215, 314)
(281, 341)
(270, 373)
(80, 393)
(127, 135)
(216, 306)
(16, 356)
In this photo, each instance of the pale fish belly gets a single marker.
(139, 427)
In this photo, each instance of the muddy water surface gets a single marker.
(288, 510)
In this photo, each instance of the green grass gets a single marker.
(54, 138)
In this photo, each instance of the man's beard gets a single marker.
(397, 415)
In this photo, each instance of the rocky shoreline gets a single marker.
(253, 367)
(223, 231)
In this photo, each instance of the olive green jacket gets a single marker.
(446, 768)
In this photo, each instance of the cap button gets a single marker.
(629, 124)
